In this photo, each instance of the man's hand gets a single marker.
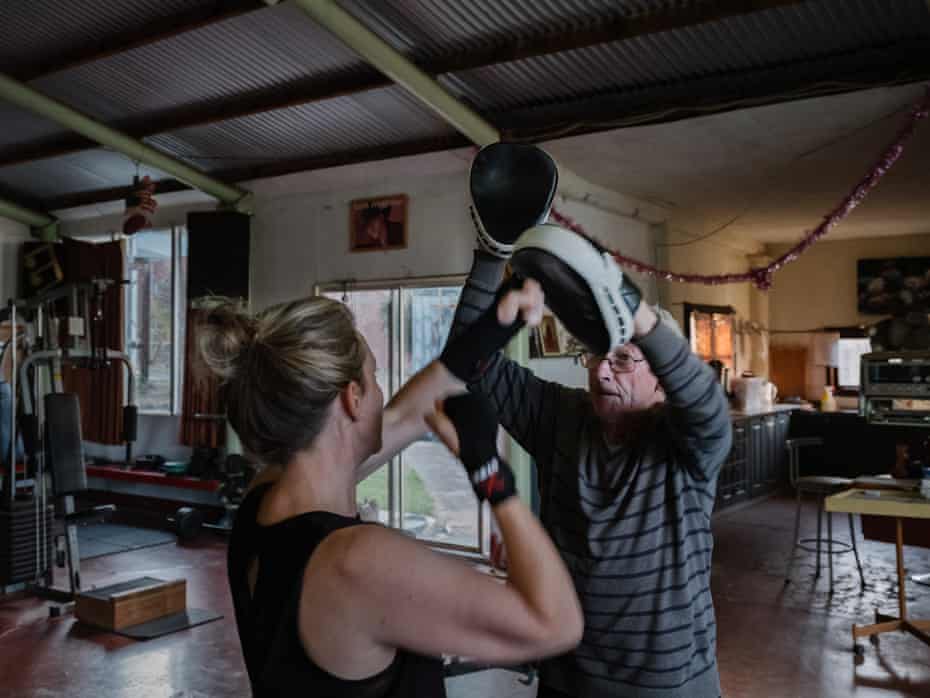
(526, 302)
(644, 321)
(517, 303)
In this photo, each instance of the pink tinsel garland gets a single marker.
(762, 276)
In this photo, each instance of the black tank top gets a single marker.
(266, 620)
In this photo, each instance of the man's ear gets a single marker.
(351, 398)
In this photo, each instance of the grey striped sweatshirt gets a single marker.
(632, 521)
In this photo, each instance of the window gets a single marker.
(156, 264)
(849, 351)
(710, 329)
(424, 489)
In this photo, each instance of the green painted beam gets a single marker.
(21, 214)
(27, 98)
(398, 68)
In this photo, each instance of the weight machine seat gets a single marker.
(64, 448)
(64, 445)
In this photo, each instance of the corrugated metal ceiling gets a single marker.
(254, 51)
(774, 37)
(275, 48)
(429, 29)
(78, 172)
(368, 120)
(31, 29)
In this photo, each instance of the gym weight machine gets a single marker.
(51, 432)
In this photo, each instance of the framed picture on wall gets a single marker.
(893, 286)
(378, 223)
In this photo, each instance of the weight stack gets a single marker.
(18, 536)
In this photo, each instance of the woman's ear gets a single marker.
(351, 397)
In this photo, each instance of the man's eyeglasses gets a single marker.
(620, 361)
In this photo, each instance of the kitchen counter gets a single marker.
(771, 409)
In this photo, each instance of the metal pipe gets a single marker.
(27, 98)
(51, 355)
(21, 214)
(12, 477)
(384, 57)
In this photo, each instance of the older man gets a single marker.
(627, 475)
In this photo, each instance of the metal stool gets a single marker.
(822, 486)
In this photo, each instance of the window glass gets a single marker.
(424, 489)
(150, 318)
(155, 316)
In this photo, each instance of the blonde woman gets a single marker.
(329, 606)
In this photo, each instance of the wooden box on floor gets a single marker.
(131, 603)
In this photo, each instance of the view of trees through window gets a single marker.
(156, 263)
(424, 490)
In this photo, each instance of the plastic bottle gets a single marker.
(828, 402)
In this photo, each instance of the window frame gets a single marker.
(690, 308)
(178, 309)
(833, 372)
(396, 378)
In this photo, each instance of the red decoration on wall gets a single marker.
(140, 206)
(761, 277)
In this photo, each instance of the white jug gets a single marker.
(753, 393)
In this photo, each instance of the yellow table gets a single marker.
(899, 505)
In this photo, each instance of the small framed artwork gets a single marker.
(378, 223)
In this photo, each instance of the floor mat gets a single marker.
(169, 624)
(99, 539)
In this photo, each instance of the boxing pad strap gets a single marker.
(616, 297)
(474, 419)
(488, 244)
(464, 353)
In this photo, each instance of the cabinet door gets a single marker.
(771, 452)
(783, 424)
(757, 456)
(731, 483)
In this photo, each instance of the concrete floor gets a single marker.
(774, 642)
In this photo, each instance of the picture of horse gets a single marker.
(378, 223)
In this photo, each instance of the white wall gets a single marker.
(711, 257)
(300, 238)
(819, 288)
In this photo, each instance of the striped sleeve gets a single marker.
(536, 413)
(697, 407)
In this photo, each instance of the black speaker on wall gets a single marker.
(218, 254)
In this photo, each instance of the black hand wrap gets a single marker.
(476, 425)
(464, 353)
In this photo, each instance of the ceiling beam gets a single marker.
(312, 90)
(31, 100)
(21, 214)
(152, 32)
(899, 64)
(672, 16)
(701, 98)
(275, 169)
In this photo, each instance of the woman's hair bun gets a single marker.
(225, 332)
